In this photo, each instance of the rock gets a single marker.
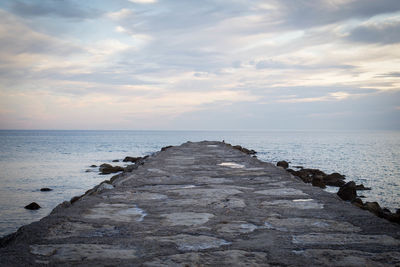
(348, 191)
(283, 164)
(131, 159)
(374, 208)
(358, 202)
(245, 150)
(45, 189)
(362, 187)
(335, 179)
(93, 166)
(386, 210)
(107, 169)
(115, 160)
(298, 167)
(318, 181)
(32, 206)
(165, 148)
(302, 174)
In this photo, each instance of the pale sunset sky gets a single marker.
(200, 64)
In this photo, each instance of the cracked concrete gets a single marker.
(202, 204)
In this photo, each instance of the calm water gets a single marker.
(30, 160)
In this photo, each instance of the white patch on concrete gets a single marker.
(187, 218)
(236, 227)
(344, 239)
(116, 212)
(282, 192)
(212, 145)
(79, 252)
(231, 165)
(303, 200)
(293, 204)
(191, 242)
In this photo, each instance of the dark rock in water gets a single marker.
(358, 202)
(318, 181)
(32, 206)
(88, 170)
(245, 150)
(298, 167)
(115, 160)
(283, 164)
(374, 208)
(131, 159)
(165, 148)
(74, 199)
(45, 189)
(362, 187)
(348, 191)
(386, 210)
(335, 179)
(303, 174)
(93, 166)
(107, 169)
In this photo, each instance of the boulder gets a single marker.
(362, 187)
(334, 179)
(45, 189)
(348, 191)
(131, 159)
(32, 206)
(283, 164)
(245, 150)
(115, 160)
(358, 202)
(318, 181)
(93, 166)
(107, 169)
(165, 148)
(303, 174)
(374, 208)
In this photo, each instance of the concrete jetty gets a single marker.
(205, 204)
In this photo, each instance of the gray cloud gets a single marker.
(318, 12)
(385, 34)
(58, 8)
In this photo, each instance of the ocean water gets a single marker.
(30, 160)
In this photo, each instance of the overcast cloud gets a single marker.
(222, 64)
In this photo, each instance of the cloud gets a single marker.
(158, 61)
(388, 33)
(143, 1)
(65, 9)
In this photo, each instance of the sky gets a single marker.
(200, 64)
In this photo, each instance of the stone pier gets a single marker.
(205, 204)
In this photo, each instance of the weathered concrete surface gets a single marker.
(206, 204)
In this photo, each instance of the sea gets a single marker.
(60, 160)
